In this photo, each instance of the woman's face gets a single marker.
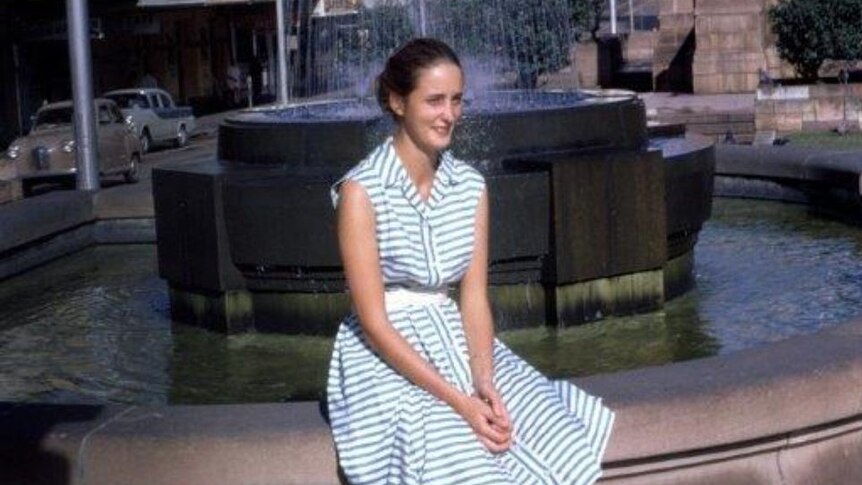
(429, 113)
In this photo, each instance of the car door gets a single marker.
(157, 127)
(110, 139)
(165, 131)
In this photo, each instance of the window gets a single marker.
(132, 100)
(104, 114)
(154, 100)
(166, 101)
(117, 114)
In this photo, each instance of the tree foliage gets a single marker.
(812, 31)
(586, 17)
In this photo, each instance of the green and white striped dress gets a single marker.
(389, 431)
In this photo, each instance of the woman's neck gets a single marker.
(420, 165)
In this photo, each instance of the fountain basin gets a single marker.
(581, 226)
(789, 413)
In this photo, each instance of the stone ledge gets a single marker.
(747, 417)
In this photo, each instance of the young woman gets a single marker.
(419, 390)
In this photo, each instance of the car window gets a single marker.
(130, 100)
(154, 100)
(166, 101)
(55, 116)
(117, 114)
(105, 115)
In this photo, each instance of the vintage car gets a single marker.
(48, 151)
(156, 117)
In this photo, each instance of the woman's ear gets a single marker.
(396, 104)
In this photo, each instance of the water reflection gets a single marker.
(95, 327)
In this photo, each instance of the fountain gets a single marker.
(586, 215)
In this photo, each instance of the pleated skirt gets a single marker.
(389, 431)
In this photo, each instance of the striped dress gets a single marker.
(389, 431)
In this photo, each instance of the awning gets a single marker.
(195, 3)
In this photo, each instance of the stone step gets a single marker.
(706, 118)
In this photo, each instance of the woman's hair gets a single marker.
(402, 68)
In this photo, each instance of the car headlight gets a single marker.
(69, 146)
(13, 152)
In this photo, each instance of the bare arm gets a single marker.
(478, 321)
(475, 309)
(360, 256)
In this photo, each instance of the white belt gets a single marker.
(397, 298)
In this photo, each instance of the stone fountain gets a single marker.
(590, 215)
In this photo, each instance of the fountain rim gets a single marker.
(261, 115)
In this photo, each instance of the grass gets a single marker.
(826, 139)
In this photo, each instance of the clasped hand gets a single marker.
(487, 415)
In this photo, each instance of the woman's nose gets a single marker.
(450, 112)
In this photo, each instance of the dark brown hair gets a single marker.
(403, 66)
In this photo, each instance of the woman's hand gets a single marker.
(486, 391)
(492, 430)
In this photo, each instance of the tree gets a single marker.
(587, 16)
(812, 31)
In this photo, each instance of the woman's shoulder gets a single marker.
(464, 172)
(368, 173)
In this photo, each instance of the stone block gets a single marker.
(828, 109)
(730, 24)
(826, 90)
(676, 7)
(587, 64)
(676, 22)
(788, 123)
(728, 7)
(746, 41)
(713, 83)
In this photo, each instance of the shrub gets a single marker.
(812, 31)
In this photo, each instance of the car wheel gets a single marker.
(182, 137)
(146, 141)
(132, 175)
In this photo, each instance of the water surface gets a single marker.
(95, 327)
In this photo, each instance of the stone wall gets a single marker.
(730, 36)
(787, 109)
(715, 46)
(672, 61)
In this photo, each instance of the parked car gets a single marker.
(156, 117)
(48, 151)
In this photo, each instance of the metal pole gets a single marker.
(422, 20)
(282, 32)
(86, 141)
(614, 17)
(17, 64)
(631, 16)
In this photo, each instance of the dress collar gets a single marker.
(395, 175)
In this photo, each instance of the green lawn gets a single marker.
(826, 139)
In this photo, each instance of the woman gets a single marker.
(419, 390)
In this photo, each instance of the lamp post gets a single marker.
(86, 136)
(282, 51)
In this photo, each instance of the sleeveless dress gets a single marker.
(389, 431)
